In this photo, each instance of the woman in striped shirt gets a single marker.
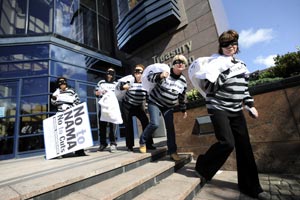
(133, 104)
(225, 98)
(170, 89)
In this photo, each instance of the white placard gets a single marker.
(67, 131)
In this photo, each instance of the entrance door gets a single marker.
(9, 97)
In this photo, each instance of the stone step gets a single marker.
(132, 183)
(53, 179)
(182, 185)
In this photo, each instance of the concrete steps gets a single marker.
(156, 175)
(100, 175)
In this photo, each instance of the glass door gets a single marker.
(9, 97)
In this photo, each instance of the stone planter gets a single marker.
(275, 135)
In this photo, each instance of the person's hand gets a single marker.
(126, 86)
(184, 115)
(54, 97)
(253, 112)
(164, 74)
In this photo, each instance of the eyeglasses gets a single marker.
(226, 44)
(138, 71)
(178, 62)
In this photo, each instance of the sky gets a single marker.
(267, 28)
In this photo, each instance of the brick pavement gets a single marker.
(224, 187)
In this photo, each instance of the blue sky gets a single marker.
(267, 28)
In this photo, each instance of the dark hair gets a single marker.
(227, 36)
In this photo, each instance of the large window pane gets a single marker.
(67, 56)
(32, 124)
(68, 71)
(23, 69)
(90, 27)
(34, 86)
(105, 35)
(40, 16)
(34, 104)
(22, 53)
(31, 143)
(12, 17)
(66, 18)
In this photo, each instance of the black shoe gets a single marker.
(150, 146)
(102, 147)
(80, 153)
(203, 180)
(129, 148)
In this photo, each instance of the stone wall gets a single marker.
(275, 135)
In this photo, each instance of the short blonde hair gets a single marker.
(180, 57)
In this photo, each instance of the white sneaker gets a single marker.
(113, 148)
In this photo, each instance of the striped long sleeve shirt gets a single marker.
(65, 99)
(230, 91)
(136, 95)
(168, 92)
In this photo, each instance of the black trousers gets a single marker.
(128, 111)
(231, 132)
(103, 127)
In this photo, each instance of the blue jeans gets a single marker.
(155, 112)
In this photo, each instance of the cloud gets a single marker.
(266, 61)
(250, 37)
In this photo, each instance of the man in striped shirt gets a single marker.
(170, 89)
(108, 84)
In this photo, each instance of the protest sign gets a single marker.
(67, 131)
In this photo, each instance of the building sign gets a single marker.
(67, 131)
(168, 56)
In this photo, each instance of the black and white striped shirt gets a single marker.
(104, 86)
(136, 95)
(65, 99)
(168, 92)
(229, 93)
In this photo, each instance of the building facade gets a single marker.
(41, 40)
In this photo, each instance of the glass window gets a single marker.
(67, 56)
(12, 17)
(34, 104)
(23, 69)
(90, 4)
(32, 124)
(68, 71)
(104, 8)
(40, 16)
(66, 18)
(34, 86)
(23, 53)
(31, 143)
(7, 107)
(90, 27)
(6, 145)
(105, 35)
(8, 101)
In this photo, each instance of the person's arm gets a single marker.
(182, 103)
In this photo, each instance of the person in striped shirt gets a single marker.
(225, 98)
(133, 104)
(64, 98)
(170, 89)
(108, 84)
